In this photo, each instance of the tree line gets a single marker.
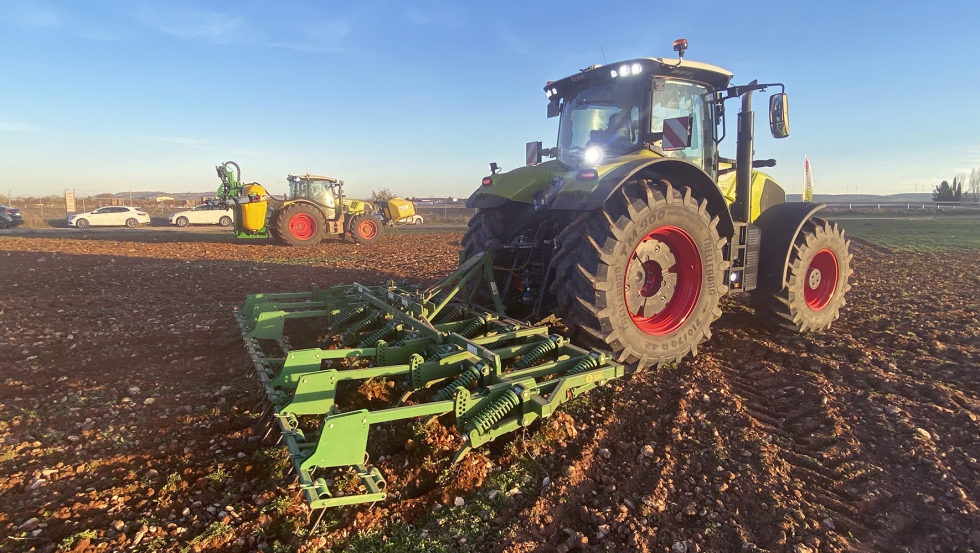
(947, 192)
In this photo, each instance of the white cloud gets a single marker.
(191, 23)
(443, 15)
(30, 13)
(101, 34)
(325, 36)
(184, 141)
(514, 42)
(17, 126)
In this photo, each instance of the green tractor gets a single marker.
(631, 235)
(636, 228)
(314, 209)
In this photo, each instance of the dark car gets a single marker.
(10, 217)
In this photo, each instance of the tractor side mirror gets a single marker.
(779, 115)
(554, 107)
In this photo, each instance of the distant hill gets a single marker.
(152, 195)
(910, 197)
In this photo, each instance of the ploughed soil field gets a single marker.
(128, 423)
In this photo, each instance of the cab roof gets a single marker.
(712, 75)
(312, 177)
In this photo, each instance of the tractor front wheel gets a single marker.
(300, 224)
(642, 276)
(816, 281)
(366, 229)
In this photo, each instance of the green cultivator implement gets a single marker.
(493, 374)
(630, 234)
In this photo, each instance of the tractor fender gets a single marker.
(288, 203)
(677, 171)
(484, 201)
(779, 225)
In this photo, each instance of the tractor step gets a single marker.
(492, 373)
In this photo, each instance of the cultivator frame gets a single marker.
(493, 373)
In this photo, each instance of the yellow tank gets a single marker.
(398, 208)
(253, 212)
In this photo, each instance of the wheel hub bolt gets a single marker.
(814, 279)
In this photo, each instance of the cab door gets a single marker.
(674, 99)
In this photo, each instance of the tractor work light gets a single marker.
(593, 155)
(626, 70)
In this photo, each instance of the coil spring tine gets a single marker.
(378, 335)
(589, 362)
(464, 380)
(502, 343)
(538, 352)
(400, 343)
(439, 353)
(485, 419)
(471, 329)
(361, 326)
(348, 315)
(451, 315)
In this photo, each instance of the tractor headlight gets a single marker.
(592, 155)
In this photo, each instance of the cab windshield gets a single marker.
(320, 192)
(605, 116)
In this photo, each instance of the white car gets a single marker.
(204, 214)
(410, 220)
(113, 215)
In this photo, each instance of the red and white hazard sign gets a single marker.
(532, 152)
(677, 133)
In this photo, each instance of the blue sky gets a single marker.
(112, 95)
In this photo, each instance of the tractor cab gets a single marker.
(323, 191)
(610, 112)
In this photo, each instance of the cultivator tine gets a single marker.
(493, 374)
(319, 517)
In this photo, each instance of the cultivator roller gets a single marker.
(493, 374)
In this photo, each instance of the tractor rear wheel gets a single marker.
(498, 223)
(366, 229)
(300, 224)
(495, 224)
(816, 281)
(642, 275)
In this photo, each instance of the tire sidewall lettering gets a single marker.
(706, 238)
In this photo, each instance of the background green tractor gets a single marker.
(638, 226)
(314, 208)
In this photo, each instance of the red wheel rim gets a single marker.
(684, 275)
(302, 226)
(820, 283)
(367, 229)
